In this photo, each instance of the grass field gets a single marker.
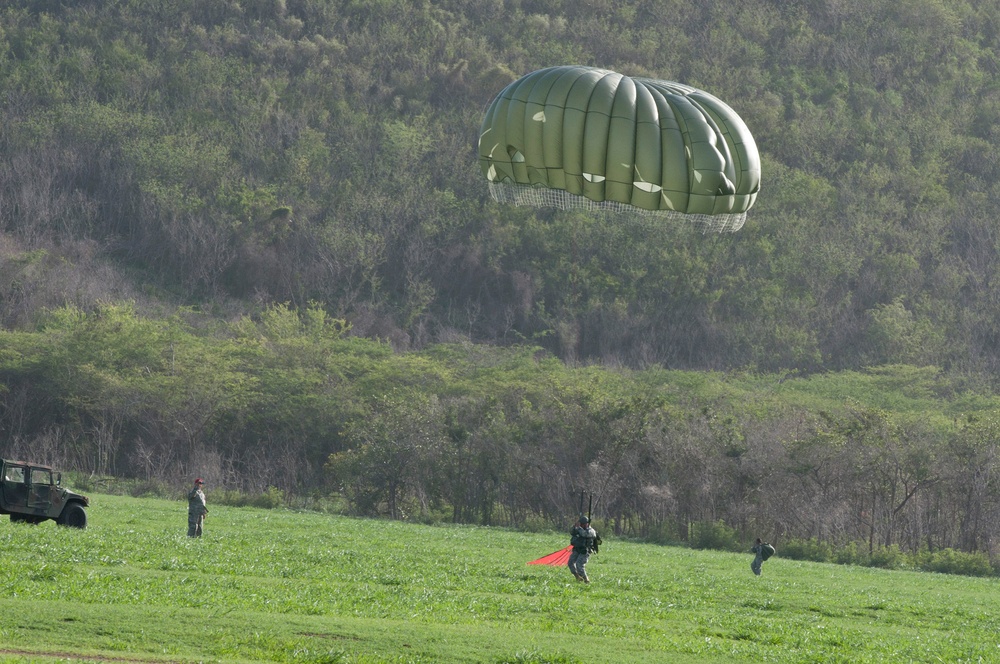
(280, 586)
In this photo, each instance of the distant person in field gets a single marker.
(584, 541)
(762, 551)
(197, 510)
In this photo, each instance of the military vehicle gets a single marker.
(33, 493)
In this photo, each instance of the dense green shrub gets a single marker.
(807, 549)
(271, 498)
(950, 561)
(887, 557)
(150, 489)
(715, 535)
(852, 553)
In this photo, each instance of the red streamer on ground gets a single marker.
(556, 559)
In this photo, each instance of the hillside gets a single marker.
(226, 155)
(251, 241)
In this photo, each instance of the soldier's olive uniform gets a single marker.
(197, 510)
(762, 551)
(581, 538)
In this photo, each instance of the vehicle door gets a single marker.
(15, 488)
(40, 490)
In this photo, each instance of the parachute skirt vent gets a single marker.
(520, 194)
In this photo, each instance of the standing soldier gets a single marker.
(197, 511)
(583, 539)
(763, 551)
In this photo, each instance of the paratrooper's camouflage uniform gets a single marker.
(581, 538)
(196, 509)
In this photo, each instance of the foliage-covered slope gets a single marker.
(288, 404)
(209, 151)
(207, 205)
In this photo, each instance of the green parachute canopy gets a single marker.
(582, 137)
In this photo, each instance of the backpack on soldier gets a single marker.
(766, 551)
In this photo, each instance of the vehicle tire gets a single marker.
(73, 515)
(17, 518)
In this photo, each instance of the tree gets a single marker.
(390, 452)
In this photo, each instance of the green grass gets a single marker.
(279, 586)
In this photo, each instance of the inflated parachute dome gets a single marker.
(575, 137)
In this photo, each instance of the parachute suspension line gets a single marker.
(590, 504)
(574, 277)
(528, 195)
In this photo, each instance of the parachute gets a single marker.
(575, 137)
(557, 559)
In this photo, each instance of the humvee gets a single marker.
(33, 493)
